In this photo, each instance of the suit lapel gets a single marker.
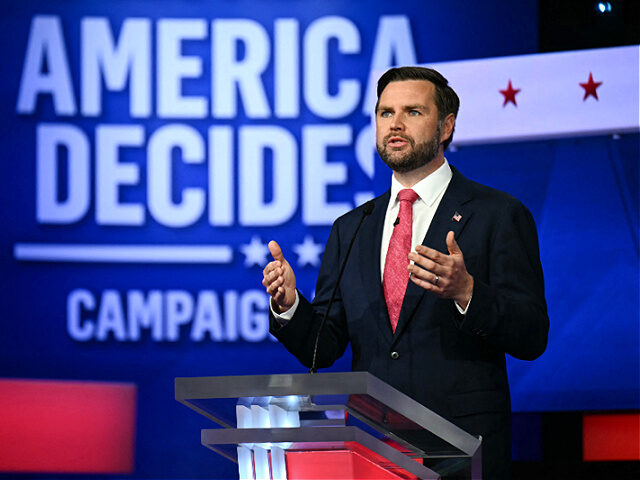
(451, 215)
(369, 243)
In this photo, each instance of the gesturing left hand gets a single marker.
(444, 275)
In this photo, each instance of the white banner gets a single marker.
(529, 97)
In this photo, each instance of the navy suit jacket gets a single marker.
(453, 364)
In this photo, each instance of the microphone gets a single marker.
(366, 211)
(395, 224)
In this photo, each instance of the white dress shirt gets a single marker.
(430, 191)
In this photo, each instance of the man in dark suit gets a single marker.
(443, 279)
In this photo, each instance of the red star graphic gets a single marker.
(590, 88)
(510, 94)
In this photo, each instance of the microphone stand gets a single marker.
(366, 211)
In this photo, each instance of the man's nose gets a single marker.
(396, 123)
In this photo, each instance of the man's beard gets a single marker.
(420, 154)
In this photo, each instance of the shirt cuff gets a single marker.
(284, 317)
(460, 309)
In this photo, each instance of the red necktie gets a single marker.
(396, 275)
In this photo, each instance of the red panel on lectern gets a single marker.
(64, 426)
(337, 465)
(608, 437)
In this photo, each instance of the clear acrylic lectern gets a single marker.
(327, 425)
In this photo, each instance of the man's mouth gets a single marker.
(397, 141)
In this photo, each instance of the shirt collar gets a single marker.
(429, 188)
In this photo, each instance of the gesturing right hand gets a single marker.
(279, 280)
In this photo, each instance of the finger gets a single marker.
(425, 275)
(452, 245)
(271, 276)
(426, 263)
(433, 254)
(426, 285)
(280, 296)
(271, 287)
(277, 276)
(271, 266)
(421, 273)
(274, 287)
(267, 273)
(276, 251)
(274, 274)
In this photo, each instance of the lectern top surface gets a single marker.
(362, 395)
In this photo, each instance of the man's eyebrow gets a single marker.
(417, 106)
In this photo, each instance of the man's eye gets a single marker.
(414, 112)
(385, 114)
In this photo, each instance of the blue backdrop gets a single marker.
(181, 148)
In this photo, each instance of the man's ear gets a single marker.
(447, 127)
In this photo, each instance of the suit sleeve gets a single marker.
(508, 308)
(299, 334)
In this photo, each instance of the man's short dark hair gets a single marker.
(446, 99)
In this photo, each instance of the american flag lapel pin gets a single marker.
(457, 217)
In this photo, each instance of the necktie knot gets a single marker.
(407, 195)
